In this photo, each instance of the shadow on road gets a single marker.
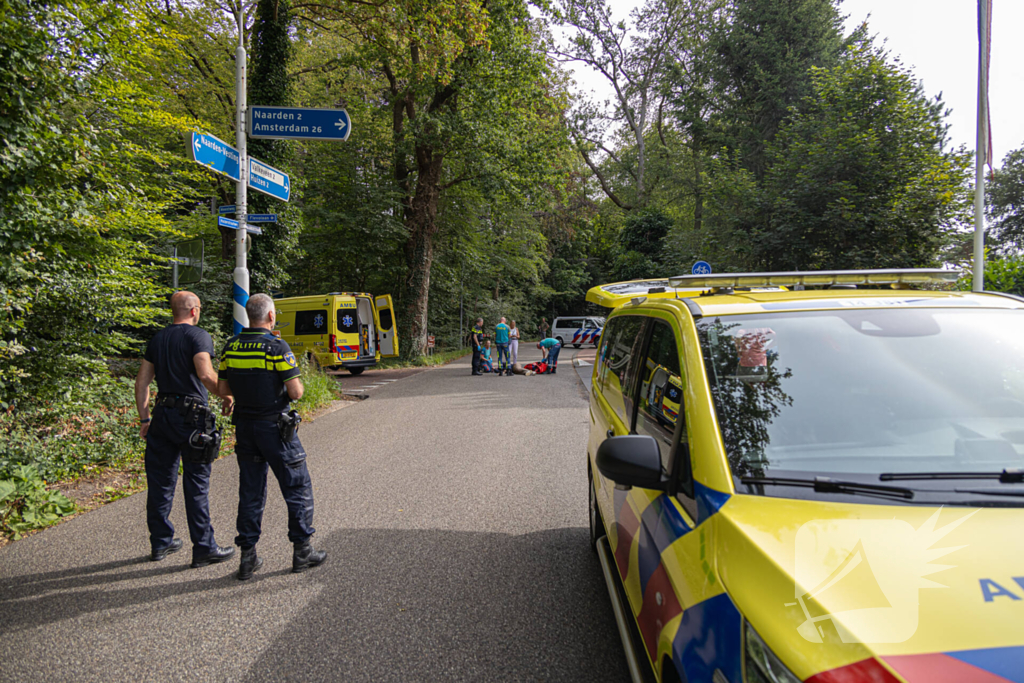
(442, 605)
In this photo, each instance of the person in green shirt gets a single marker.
(551, 347)
(501, 336)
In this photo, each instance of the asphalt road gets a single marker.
(454, 512)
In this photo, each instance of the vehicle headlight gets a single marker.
(760, 663)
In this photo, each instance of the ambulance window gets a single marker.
(621, 345)
(311, 322)
(347, 323)
(385, 318)
(660, 404)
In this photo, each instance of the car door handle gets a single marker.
(610, 433)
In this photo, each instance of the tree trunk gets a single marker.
(421, 222)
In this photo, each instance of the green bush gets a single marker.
(320, 387)
(94, 427)
(26, 503)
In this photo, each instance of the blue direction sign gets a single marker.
(254, 229)
(292, 123)
(262, 218)
(227, 223)
(701, 268)
(269, 180)
(215, 154)
(227, 208)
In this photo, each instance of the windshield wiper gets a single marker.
(994, 491)
(1007, 476)
(830, 485)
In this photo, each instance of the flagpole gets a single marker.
(982, 147)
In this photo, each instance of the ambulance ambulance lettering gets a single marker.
(990, 590)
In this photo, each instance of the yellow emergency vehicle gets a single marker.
(351, 330)
(811, 477)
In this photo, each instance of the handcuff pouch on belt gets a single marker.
(288, 425)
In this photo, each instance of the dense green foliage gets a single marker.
(1006, 204)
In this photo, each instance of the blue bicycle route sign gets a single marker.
(269, 180)
(294, 123)
(701, 268)
(215, 154)
(229, 223)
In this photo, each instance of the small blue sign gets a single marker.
(215, 154)
(269, 180)
(227, 223)
(293, 123)
(262, 218)
(227, 208)
(252, 229)
(701, 268)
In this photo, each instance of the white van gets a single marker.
(577, 330)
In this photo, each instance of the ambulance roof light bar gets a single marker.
(890, 276)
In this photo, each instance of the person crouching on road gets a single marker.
(501, 339)
(477, 334)
(552, 347)
(260, 371)
(486, 363)
(178, 357)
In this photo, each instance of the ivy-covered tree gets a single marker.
(276, 248)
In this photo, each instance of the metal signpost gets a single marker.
(294, 123)
(279, 123)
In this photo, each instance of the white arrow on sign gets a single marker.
(340, 124)
(197, 144)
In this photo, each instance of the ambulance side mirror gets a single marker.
(631, 460)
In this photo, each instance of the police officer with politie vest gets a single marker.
(260, 371)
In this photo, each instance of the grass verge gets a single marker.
(437, 358)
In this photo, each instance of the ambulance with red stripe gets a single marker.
(839, 497)
(350, 330)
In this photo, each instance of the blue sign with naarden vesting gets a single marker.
(215, 154)
(293, 123)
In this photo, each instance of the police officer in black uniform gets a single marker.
(259, 369)
(477, 334)
(178, 357)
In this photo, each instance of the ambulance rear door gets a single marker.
(386, 326)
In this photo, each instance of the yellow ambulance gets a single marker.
(351, 330)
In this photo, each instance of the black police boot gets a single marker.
(305, 557)
(218, 554)
(553, 369)
(174, 547)
(250, 563)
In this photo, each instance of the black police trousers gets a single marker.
(258, 446)
(476, 359)
(167, 437)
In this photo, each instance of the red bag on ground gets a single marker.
(537, 367)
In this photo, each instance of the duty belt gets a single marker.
(178, 401)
